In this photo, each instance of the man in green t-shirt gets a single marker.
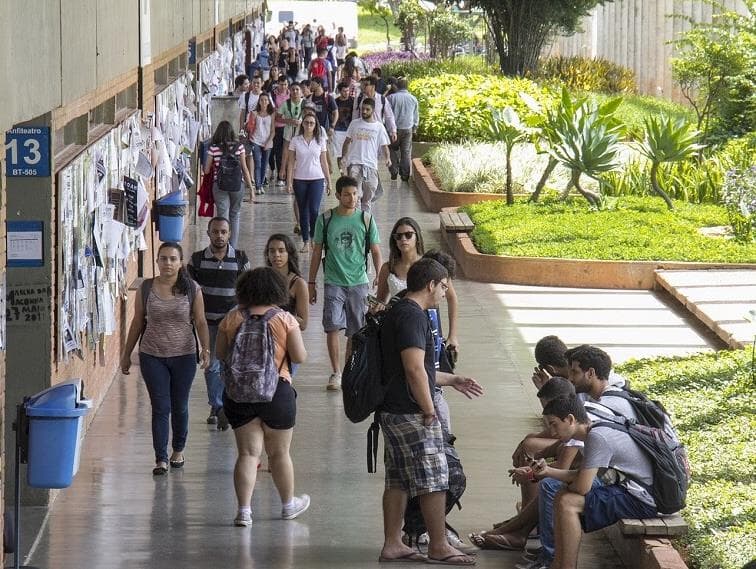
(346, 234)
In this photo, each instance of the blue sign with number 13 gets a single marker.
(27, 151)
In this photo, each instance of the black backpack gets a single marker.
(648, 412)
(669, 461)
(229, 176)
(414, 523)
(362, 384)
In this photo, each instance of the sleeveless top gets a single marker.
(395, 284)
(169, 331)
(291, 306)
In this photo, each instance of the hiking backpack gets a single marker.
(669, 462)
(250, 374)
(362, 384)
(367, 219)
(229, 175)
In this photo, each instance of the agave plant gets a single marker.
(557, 121)
(505, 126)
(587, 144)
(667, 140)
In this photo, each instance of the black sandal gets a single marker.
(178, 463)
(160, 470)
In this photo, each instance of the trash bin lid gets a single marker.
(63, 397)
(174, 198)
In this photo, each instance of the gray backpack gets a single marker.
(250, 373)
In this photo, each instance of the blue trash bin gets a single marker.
(55, 428)
(171, 210)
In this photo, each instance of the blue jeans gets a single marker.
(212, 373)
(308, 194)
(228, 205)
(547, 490)
(261, 156)
(168, 382)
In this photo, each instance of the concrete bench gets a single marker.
(456, 222)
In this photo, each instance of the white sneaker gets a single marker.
(334, 382)
(280, 183)
(453, 540)
(243, 519)
(298, 505)
(423, 539)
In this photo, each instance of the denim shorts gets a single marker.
(605, 505)
(344, 307)
(280, 413)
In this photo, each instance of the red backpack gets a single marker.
(318, 68)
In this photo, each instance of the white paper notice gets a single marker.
(25, 245)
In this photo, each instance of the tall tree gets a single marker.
(521, 28)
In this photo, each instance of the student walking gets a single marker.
(407, 116)
(281, 254)
(262, 140)
(308, 174)
(344, 237)
(167, 309)
(256, 424)
(216, 268)
(227, 159)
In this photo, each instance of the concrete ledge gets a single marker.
(548, 271)
(435, 199)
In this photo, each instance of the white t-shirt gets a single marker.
(263, 126)
(253, 98)
(307, 158)
(367, 139)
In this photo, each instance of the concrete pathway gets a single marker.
(720, 299)
(116, 515)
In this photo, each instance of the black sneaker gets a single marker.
(213, 418)
(394, 175)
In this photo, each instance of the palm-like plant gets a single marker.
(588, 144)
(667, 140)
(556, 121)
(505, 126)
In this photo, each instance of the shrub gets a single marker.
(711, 399)
(426, 67)
(480, 167)
(636, 108)
(637, 229)
(739, 197)
(579, 73)
(458, 107)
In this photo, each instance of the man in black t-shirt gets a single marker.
(414, 459)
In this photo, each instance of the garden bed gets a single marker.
(434, 199)
(573, 237)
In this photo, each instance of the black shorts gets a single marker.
(280, 413)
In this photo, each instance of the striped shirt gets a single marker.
(218, 279)
(216, 152)
(169, 331)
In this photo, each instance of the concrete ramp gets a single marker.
(718, 298)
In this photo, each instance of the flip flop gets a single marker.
(499, 541)
(448, 560)
(412, 557)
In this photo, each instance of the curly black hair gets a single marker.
(262, 286)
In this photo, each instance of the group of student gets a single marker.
(289, 135)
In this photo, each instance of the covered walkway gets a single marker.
(116, 515)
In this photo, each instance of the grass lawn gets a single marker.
(371, 34)
(712, 398)
(635, 228)
(636, 108)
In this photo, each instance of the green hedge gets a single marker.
(712, 399)
(637, 229)
(579, 73)
(460, 65)
(457, 107)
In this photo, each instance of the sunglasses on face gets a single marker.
(403, 235)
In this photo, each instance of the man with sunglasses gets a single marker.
(415, 460)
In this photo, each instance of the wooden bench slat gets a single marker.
(454, 222)
(655, 526)
(466, 219)
(676, 525)
(632, 527)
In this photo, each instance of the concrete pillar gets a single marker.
(29, 354)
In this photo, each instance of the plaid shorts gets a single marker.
(414, 458)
